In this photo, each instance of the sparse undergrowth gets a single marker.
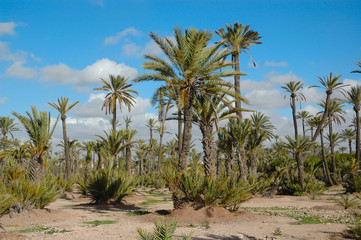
(96, 223)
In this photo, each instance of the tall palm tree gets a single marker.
(357, 71)
(191, 67)
(349, 135)
(161, 130)
(298, 146)
(206, 114)
(129, 134)
(226, 145)
(113, 144)
(293, 88)
(354, 97)
(316, 121)
(7, 126)
(88, 147)
(331, 83)
(303, 115)
(38, 127)
(118, 90)
(150, 123)
(335, 114)
(236, 39)
(63, 108)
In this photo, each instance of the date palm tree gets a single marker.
(7, 126)
(236, 39)
(63, 108)
(161, 130)
(331, 83)
(117, 90)
(150, 123)
(38, 127)
(349, 135)
(293, 88)
(335, 114)
(303, 115)
(354, 97)
(191, 67)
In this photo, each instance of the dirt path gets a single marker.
(281, 217)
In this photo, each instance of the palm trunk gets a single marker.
(242, 162)
(237, 83)
(218, 164)
(300, 167)
(253, 163)
(303, 127)
(294, 115)
(114, 120)
(128, 159)
(209, 150)
(66, 148)
(229, 162)
(325, 164)
(160, 151)
(350, 146)
(356, 108)
(187, 133)
(332, 146)
(179, 125)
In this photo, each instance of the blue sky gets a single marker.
(50, 49)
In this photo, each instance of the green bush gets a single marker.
(106, 184)
(193, 187)
(352, 182)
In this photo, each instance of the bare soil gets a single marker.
(280, 217)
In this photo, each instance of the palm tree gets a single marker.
(38, 127)
(354, 97)
(205, 114)
(331, 83)
(63, 108)
(298, 146)
(129, 134)
(335, 114)
(88, 147)
(226, 145)
(261, 130)
(150, 123)
(118, 90)
(7, 126)
(192, 67)
(303, 115)
(293, 88)
(237, 39)
(112, 143)
(357, 71)
(161, 130)
(317, 121)
(349, 135)
(240, 132)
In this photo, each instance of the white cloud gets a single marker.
(132, 49)
(121, 35)
(283, 78)
(7, 55)
(63, 74)
(275, 64)
(266, 99)
(7, 28)
(3, 99)
(313, 95)
(19, 71)
(311, 109)
(152, 48)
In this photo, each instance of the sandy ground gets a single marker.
(258, 218)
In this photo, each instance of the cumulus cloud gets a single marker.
(19, 71)
(266, 99)
(113, 40)
(7, 28)
(276, 78)
(275, 64)
(63, 74)
(152, 48)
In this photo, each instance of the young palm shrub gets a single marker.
(106, 184)
(162, 231)
(200, 191)
(346, 201)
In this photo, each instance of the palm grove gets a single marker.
(234, 165)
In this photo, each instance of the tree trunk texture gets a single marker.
(325, 164)
(242, 162)
(128, 159)
(237, 83)
(350, 146)
(160, 152)
(253, 163)
(114, 120)
(66, 149)
(293, 96)
(218, 164)
(300, 167)
(187, 133)
(332, 146)
(209, 150)
(229, 162)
